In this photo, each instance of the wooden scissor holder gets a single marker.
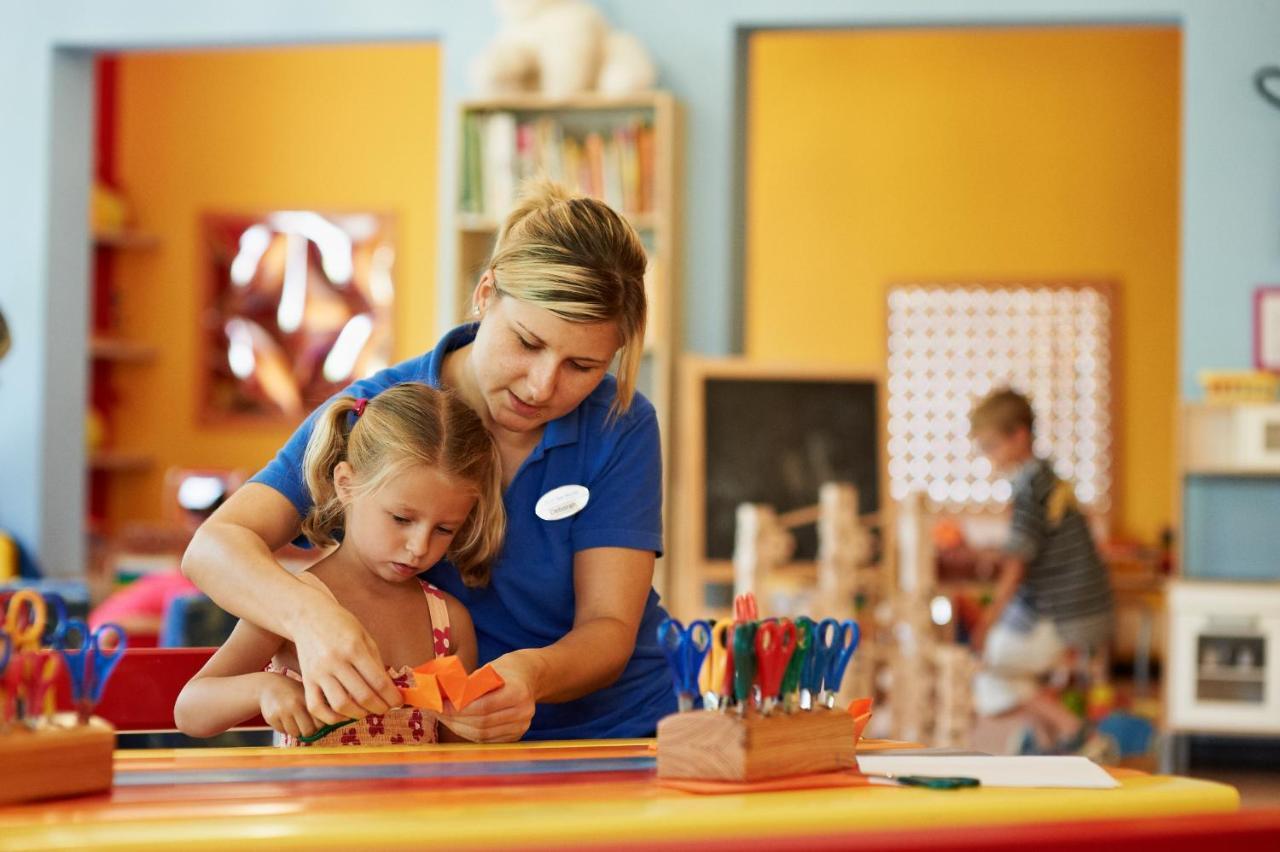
(58, 759)
(715, 746)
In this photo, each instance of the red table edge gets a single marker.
(1245, 831)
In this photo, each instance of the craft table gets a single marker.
(555, 795)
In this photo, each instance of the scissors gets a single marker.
(6, 694)
(839, 640)
(744, 663)
(90, 664)
(686, 648)
(790, 691)
(745, 607)
(715, 693)
(775, 645)
(29, 674)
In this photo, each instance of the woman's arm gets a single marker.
(232, 687)
(611, 585)
(230, 559)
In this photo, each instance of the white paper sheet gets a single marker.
(1030, 771)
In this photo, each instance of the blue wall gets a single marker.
(1231, 174)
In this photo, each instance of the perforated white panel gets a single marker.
(950, 345)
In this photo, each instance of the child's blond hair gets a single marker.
(1004, 410)
(580, 260)
(405, 425)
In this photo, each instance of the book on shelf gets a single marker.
(499, 151)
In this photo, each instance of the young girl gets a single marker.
(414, 478)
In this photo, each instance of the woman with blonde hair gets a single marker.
(569, 615)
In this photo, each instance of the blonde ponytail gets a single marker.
(579, 259)
(325, 449)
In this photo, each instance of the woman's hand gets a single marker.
(503, 715)
(342, 671)
(283, 705)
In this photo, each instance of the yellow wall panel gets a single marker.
(325, 128)
(880, 156)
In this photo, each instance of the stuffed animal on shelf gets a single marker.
(560, 48)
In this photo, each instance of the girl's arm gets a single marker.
(230, 559)
(232, 687)
(611, 585)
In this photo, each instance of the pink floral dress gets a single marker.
(401, 725)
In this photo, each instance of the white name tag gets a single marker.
(562, 502)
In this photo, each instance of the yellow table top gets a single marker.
(557, 794)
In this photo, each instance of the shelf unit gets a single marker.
(658, 225)
(108, 352)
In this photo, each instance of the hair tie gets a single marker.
(360, 404)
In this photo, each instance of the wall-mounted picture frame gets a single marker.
(1266, 327)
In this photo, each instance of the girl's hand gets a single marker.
(503, 715)
(284, 706)
(342, 671)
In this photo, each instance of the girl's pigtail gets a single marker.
(326, 447)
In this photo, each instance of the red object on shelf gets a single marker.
(141, 692)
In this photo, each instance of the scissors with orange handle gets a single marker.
(30, 674)
(716, 681)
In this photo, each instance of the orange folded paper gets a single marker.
(424, 694)
(448, 676)
(482, 681)
(451, 675)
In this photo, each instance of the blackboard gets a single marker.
(777, 440)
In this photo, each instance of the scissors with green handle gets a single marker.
(929, 782)
(744, 663)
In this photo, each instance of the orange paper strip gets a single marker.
(482, 681)
(450, 674)
(424, 694)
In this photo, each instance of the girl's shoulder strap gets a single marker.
(438, 606)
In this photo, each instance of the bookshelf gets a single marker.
(624, 150)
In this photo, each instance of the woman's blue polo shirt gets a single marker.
(529, 603)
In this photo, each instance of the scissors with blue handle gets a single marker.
(816, 665)
(89, 662)
(6, 694)
(840, 639)
(55, 628)
(686, 648)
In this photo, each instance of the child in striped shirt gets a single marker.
(1052, 593)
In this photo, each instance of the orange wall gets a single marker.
(883, 156)
(344, 128)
